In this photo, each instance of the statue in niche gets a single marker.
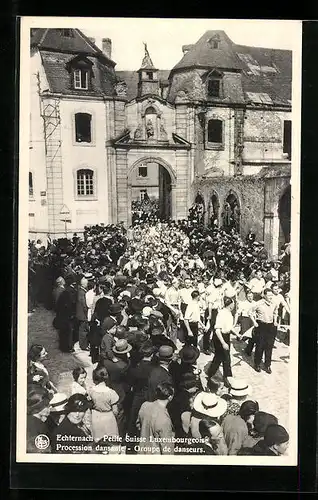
(138, 133)
(150, 129)
(121, 89)
(163, 133)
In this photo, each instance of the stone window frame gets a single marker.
(85, 197)
(220, 146)
(215, 74)
(87, 111)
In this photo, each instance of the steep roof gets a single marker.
(72, 41)
(55, 65)
(266, 73)
(131, 79)
(202, 55)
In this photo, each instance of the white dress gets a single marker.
(103, 419)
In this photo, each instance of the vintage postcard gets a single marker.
(158, 275)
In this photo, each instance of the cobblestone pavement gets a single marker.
(271, 391)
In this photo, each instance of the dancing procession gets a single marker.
(149, 316)
(159, 247)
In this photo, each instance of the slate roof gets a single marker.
(52, 40)
(57, 51)
(264, 70)
(131, 79)
(201, 55)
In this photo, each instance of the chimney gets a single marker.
(92, 39)
(107, 47)
(186, 48)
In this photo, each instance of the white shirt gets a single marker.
(185, 295)
(89, 297)
(214, 296)
(257, 285)
(224, 321)
(192, 312)
(229, 290)
(244, 307)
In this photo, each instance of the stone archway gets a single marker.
(284, 214)
(166, 182)
(231, 214)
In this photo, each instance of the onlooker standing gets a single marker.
(81, 315)
(104, 406)
(155, 423)
(160, 374)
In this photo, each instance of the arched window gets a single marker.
(215, 131)
(85, 182)
(83, 127)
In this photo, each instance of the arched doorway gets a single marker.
(213, 210)
(151, 189)
(284, 214)
(231, 213)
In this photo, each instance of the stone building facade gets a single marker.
(217, 126)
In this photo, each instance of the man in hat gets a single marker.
(236, 427)
(65, 315)
(139, 378)
(275, 442)
(81, 314)
(160, 374)
(155, 423)
(188, 386)
(119, 380)
(108, 341)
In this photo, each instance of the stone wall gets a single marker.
(250, 194)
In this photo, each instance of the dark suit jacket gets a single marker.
(157, 376)
(106, 347)
(81, 306)
(118, 376)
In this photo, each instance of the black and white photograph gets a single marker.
(158, 266)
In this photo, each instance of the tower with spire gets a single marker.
(148, 82)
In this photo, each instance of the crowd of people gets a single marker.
(144, 303)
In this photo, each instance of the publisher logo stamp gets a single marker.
(42, 442)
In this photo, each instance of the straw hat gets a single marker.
(208, 403)
(239, 387)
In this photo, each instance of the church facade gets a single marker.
(216, 127)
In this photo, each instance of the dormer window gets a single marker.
(67, 33)
(81, 79)
(214, 84)
(214, 42)
(214, 87)
(80, 69)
